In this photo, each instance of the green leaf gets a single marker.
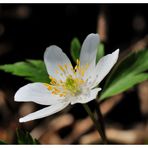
(33, 70)
(127, 74)
(123, 84)
(2, 142)
(100, 52)
(24, 137)
(75, 48)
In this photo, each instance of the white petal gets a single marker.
(88, 52)
(36, 92)
(104, 66)
(53, 57)
(47, 111)
(84, 99)
(89, 49)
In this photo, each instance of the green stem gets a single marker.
(100, 119)
(97, 124)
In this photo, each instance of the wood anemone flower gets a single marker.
(69, 85)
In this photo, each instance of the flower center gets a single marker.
(71, 85)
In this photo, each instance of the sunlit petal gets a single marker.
(36, 92)
(47, 111)
(88, 53)
(53, 57)
(104, 66)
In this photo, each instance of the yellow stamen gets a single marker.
(71, 83)
(65, 65)
(49, 87)
(61, 67)
(78, 62)
(61, 95)
(76, 67)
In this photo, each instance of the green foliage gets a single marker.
(2, 142)
(128, 73)
(75, 49)
(100, 52)
(33, 70)
(24, 137)
(146, 141)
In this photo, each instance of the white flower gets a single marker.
(68, 85)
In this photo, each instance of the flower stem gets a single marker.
(100, 119)
(97, 124)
